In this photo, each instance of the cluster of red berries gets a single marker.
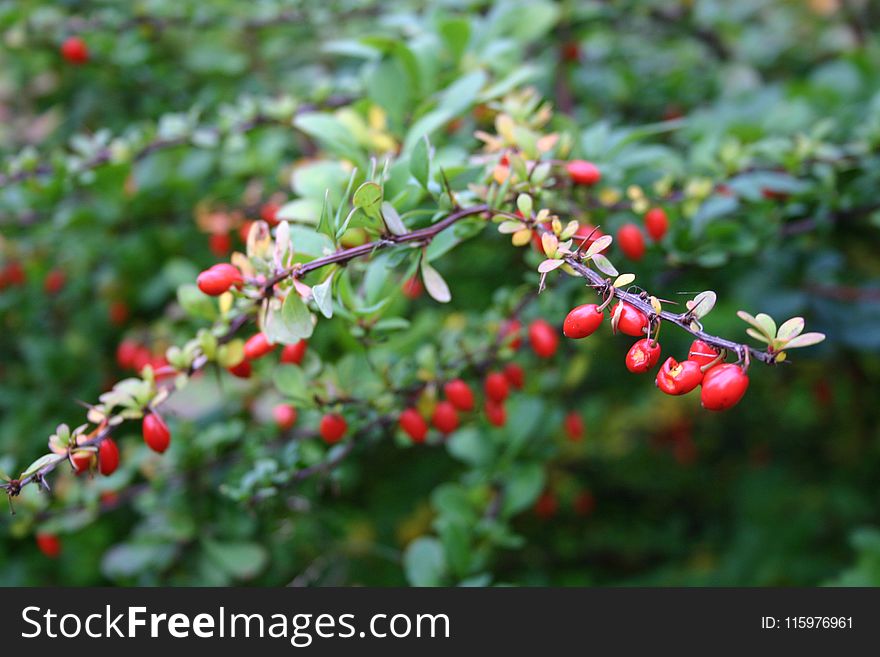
(258, 345)
(131, 355)
(723, 385)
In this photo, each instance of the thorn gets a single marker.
(449, 191)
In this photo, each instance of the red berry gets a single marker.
(245, 230)
(333, 427)
(156, 433)
(589, 233)
(547, 505)
(570, 51)
(631, 321)
(54, 282)
(702, 353)
(141, 359)
(127, 353)
(108, 457)
(496, 387)
(582, 172)
(269, 213)
(49, 544)
(118, 312)
(75, 50)
(294, 353)
(218, 279)
(412, 287)
(631, 241)
(515, 375)
(723, 387)
(459, 395)
(243, 370)
(82, 461)
(220, 244)
(257, 346)
(582, 321)
(511, 333)
(413, 425)
(543, 338)
(285, 416)
(676, 378)
(574, 427)
(656, 223)
(495, 413)
(14, 273)
(445, 418)
(584, 503)
(642, 356)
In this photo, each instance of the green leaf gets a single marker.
(549, 265)
(420, 161)
(599, 245)
(323, 296)
(455, 32)
(130, 559)
(604, 265)
(768, 326)
(39, 463)
(703, 303)
(758, 335)
(332, 133)
(291, 381)
(238, 560)
(424, 562)
(790, 328)
(195, 303)
(291, 323)
(368, 197)
(392, 219)
(805, 340)
(434, 283)
(522, 487)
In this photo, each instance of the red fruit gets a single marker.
(49, 544)
(587, 232)
(82, 461)
(75, 50)
(257, 346)
(445, 418)
(413, 425)
(141, 359)
(245, 230)
(333, 427)
(584, 503)
(294, 353)
(702, 353)
(631, 321)
(412, 287)
(642, 356)
(547, 505)
(543, 338)
(656, 223)
(723, 387)
(459, 395)
(676, 378)
(108, 457)
(495, 413)
(631, 241)
(515, 375)
(243, 370)
(118, 312)
(220, 244)
(156, 433)
(269, 213)
(285, 416)
(582, 172)
(574, 427)
(218, 279)
(582, 321)
(571, 52)
(54, 282)
(496, 387)
(127, 353)
(511, 333)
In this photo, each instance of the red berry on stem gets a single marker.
(582, 172)
(156, 433)
(702, 353)
(511, 333)
(82, 461)
(582, 321)
(643, 355)
(547, 505)
(585, 235)
(656, 223)
(631, 321)
(126, 353)
(333, 427)
(118, 312)
(631, 241)
(412, 287)
(49, 544)
(515, 375)
(413, 425)
(218, 279)
(220, 244)
(108, 457)
(496, 387)
(285, 416)
(445, 417)
(293, 354)
(75, 50)
(574, 427)
(257, 346)
(243, 370)
(723, 387)
(495, 413)
(676, 378)
(269, 212)
(54, 282)
(543, 338)
(459, 395)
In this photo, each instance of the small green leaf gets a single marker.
(239, 560)
(368, 197)
(524, 204)
(424, 562)
(703, 303)
(39, 463)
(392, 219)
(290, 380)
(805, 340)
(195, 303)
(604, 265)
(767, 324)
(758, 335)
(599, 245)
(434, 283)
(322, 294)
(624, 280)
(790, 328)
(549, 265)
(746, 317)
(420, 161)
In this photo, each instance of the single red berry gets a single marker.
(75, 50)
(631, 241)
(574, 427)
(14, 273)
(582, 172)
(585, 235)
(413, 425)
(543, 338)
(642, 356)
(631, 321)
(108, 457)
(220, 244)
(495, 413)
(54, 282)
(496, 387)
(127, 353)
(285, 416)
(118, 312)
(656, 223)
(82, 461)
(570, 51)
(511, 333)
(676, 378)
(723, 387)
(459, 395)
(584, 503)
(445, 418)
(49, 544)
(141, 359)
(547, 505)
(156, 433)
(702, 353)
(243, 370)
(269, 212)
(293, 354)
(412, 287)
(515, 375)
(582, 321)
(245, 230)
(218, 279)
(257, 346)
(333, 427)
